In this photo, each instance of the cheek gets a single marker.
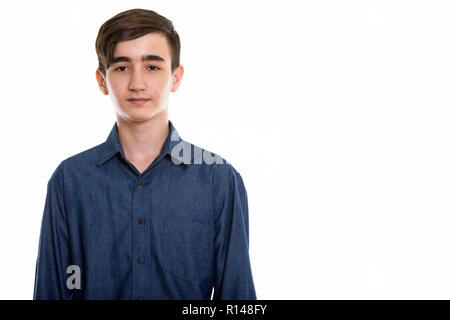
(164, 88)
(115, 83)
(158, 90)
(117, 91)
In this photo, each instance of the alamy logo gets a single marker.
(74, 280)
(200, 156)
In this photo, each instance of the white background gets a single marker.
(336, 114)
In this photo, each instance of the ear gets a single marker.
(177, 76)
(101, 81)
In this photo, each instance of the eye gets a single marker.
(153, 68)
(120, 68)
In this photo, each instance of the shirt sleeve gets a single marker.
(53, 252)
(232, 276)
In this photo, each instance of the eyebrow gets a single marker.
(149, 57)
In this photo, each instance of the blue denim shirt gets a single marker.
(176, 231)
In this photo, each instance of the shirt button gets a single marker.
(140, 221)
(140, 182)
(140, 260)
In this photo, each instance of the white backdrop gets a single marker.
(336, 114)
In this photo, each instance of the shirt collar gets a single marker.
(112, 146)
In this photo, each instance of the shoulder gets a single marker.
(227, 185)
(208, 164)
(76, 163)
(224, 174)
(219, 167)
(87, 157)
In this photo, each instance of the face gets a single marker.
(139, 80)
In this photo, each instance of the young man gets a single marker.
(144, 215)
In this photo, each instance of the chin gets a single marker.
(139, 115)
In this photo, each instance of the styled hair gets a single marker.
(130, 25)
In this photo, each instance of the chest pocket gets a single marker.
(187, 248)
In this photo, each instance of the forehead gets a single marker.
(149, 44)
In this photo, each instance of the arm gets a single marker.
(53, 254)
(233, 276)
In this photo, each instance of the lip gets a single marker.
(138, 101)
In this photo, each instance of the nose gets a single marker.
(136, 81)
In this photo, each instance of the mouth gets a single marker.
(138, 100)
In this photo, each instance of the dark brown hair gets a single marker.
(130, 25)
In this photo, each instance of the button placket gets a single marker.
(140, 239)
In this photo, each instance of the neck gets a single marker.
(142, 141)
